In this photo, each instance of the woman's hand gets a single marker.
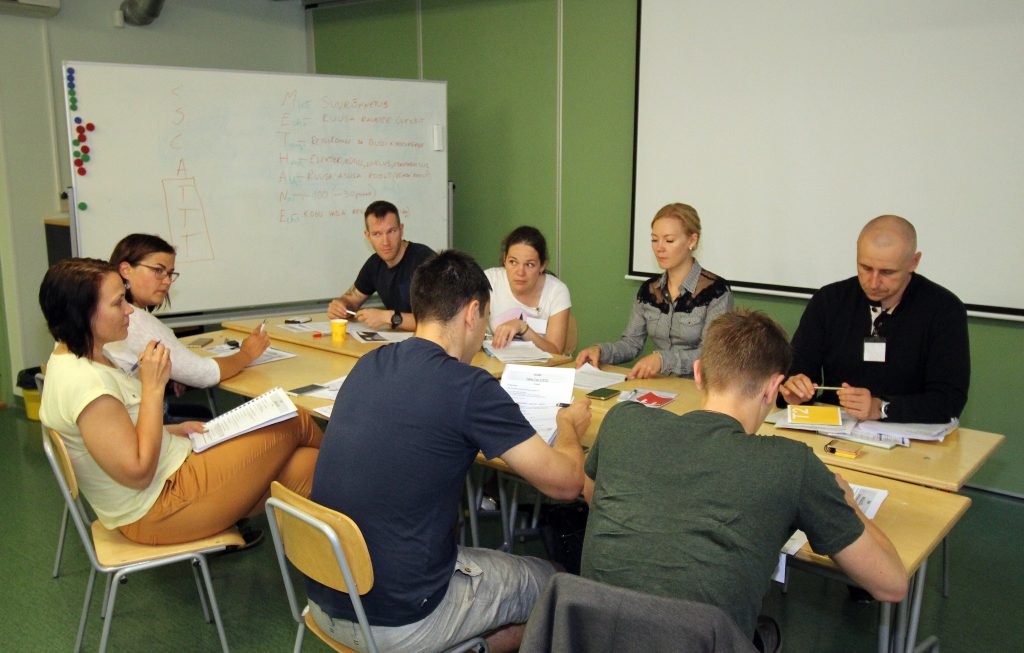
(504, 333)
(154, 367)
(590, 355)
(255, 344)
(185, 428)
(646, 367)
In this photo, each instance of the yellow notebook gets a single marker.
(814, 415)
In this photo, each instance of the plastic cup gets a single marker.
(338, 330)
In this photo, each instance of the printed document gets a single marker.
(538, 391)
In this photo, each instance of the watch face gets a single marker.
(396, 320)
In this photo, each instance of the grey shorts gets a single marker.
(488, 589)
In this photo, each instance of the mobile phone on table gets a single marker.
(602, 394)
(200, 342)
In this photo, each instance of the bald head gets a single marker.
(886, 259)
(890, 232)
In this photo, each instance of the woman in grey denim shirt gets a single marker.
(674, 309)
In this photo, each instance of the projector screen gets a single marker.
(789, 125)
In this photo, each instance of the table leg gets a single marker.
(915, 605)
(884, 627)
(473, 507)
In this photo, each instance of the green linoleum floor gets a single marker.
(158, 610)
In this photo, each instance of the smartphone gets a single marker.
(200, 342)
(843, 448)
(602, 394)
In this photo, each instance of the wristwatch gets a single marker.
(884, 409)
(396, 319)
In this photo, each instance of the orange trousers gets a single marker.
(214, 489)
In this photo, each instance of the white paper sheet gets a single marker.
(538, 391)
(268, 356)
(590, 378)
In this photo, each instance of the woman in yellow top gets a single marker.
(139, 475)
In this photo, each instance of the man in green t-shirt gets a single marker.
(693, 507)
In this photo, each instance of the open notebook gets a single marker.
(269, 408)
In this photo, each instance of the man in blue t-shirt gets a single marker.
(388, 272)
(405, 429)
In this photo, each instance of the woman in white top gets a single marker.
(146, 263)
(139, 475)
(526, 301)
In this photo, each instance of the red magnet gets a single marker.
(85, 149)
(78, 163)
(81, 172)
(90, 126)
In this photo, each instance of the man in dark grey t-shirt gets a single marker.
(693, 507)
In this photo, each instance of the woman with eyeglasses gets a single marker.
(146, 264)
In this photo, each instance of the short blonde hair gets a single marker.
(682, 212)
(742, 349)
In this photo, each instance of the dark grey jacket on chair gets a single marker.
(576, 614)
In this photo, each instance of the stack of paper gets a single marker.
(933, 432)
(827, 420)
(538, 391)
(518, 351)
(590, 378)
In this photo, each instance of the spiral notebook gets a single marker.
(269, 408)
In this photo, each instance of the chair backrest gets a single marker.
(60, 463)
(306, 528)
(59, 454)
(572, 336)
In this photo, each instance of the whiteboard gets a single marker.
(258, 179)
(790, 125)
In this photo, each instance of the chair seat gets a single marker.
(315, 628)
(114, 549)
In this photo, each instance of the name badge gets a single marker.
(874, 350)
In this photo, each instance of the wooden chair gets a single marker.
(62, 534)
(572, 336)
(328, 547)
(111, 553)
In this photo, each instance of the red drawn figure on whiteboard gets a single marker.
(183, 205)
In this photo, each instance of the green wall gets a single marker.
(500, 58)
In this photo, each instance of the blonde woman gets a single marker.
(673, 309)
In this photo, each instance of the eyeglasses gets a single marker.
(161, 273)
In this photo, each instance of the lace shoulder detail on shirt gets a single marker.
(710, 287)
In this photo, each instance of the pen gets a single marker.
(826, 387)
(561, 405)
(136, 365)
(263, 326)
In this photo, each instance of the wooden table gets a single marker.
(352, 347)
(309, 366)
(946, 465)
(916, 519)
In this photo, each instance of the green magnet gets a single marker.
(75, 142)
(85, 157)
(82, 206)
